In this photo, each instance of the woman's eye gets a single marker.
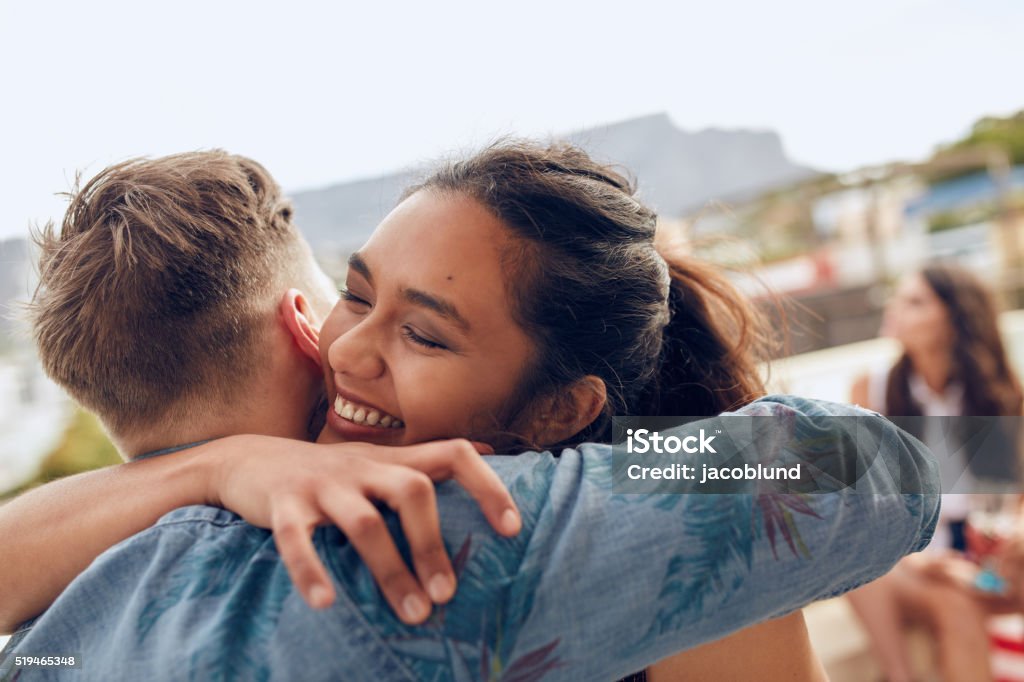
(350, 297)
(416, 338)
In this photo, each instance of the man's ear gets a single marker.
(300, 321)
(569, 412)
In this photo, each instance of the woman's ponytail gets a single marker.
(711, 347)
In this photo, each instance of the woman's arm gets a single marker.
(53, 532)
(859, 392)
(774, 651)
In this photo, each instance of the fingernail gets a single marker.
(320, 597)
(415, 608)
(483, 448)
(510, 521)
(440, 587)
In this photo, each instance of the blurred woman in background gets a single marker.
(953, 364)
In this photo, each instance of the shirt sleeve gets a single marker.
(611, 582)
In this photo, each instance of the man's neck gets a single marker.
(138, 446)
(185, 431)
(278, 401)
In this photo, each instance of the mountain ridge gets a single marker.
(676, 172)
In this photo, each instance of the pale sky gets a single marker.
(322, 92)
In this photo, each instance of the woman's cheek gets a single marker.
(425, 405)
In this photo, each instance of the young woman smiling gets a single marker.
(523, 286)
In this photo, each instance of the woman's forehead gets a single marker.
(915, 284)
(449, 245)
(450, 228)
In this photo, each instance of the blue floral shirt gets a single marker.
(597, 585)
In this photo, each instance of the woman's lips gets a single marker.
(361, 432)
(341, 418)
(357, 400)
(358, 413)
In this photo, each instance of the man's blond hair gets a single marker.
(152, 297)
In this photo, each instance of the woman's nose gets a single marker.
(355, 354)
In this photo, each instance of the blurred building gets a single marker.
(832, 247)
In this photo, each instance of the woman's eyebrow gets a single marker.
(417, 297)
(438, 305)
(356, 262)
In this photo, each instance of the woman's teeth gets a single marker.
(359, 414)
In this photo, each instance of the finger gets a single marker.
(481, 447)
(483, 483)
(293, 522)
(366, 530)
(410, 493)
(458, 459)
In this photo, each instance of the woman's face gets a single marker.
(916, 317)
(425, 334)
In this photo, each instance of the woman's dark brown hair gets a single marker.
(668, 334)
(980, 364)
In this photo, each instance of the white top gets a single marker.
(957, 481)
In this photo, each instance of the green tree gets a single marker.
(990, 133)
(83, 446)
(1006, 133)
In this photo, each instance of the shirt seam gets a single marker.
(211, 522)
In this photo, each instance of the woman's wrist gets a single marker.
(211, 466)
(195, 475)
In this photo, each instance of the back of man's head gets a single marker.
(155, 293)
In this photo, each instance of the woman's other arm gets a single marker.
(774, 651)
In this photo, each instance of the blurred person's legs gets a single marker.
(955, 619)
(876, 606)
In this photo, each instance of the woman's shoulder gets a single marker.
(868, 389)
(859, 389)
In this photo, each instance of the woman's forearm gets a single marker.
(773, 651)
(50, 534)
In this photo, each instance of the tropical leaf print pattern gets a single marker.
(251, 573)
(494, 582)
(776, 513)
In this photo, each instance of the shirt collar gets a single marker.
(167, 451)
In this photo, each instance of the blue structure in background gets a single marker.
(961, 193)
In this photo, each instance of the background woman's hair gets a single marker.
(597, 298)
(979, 363)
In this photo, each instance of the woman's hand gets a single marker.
(1010, 561)
(291, 487)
